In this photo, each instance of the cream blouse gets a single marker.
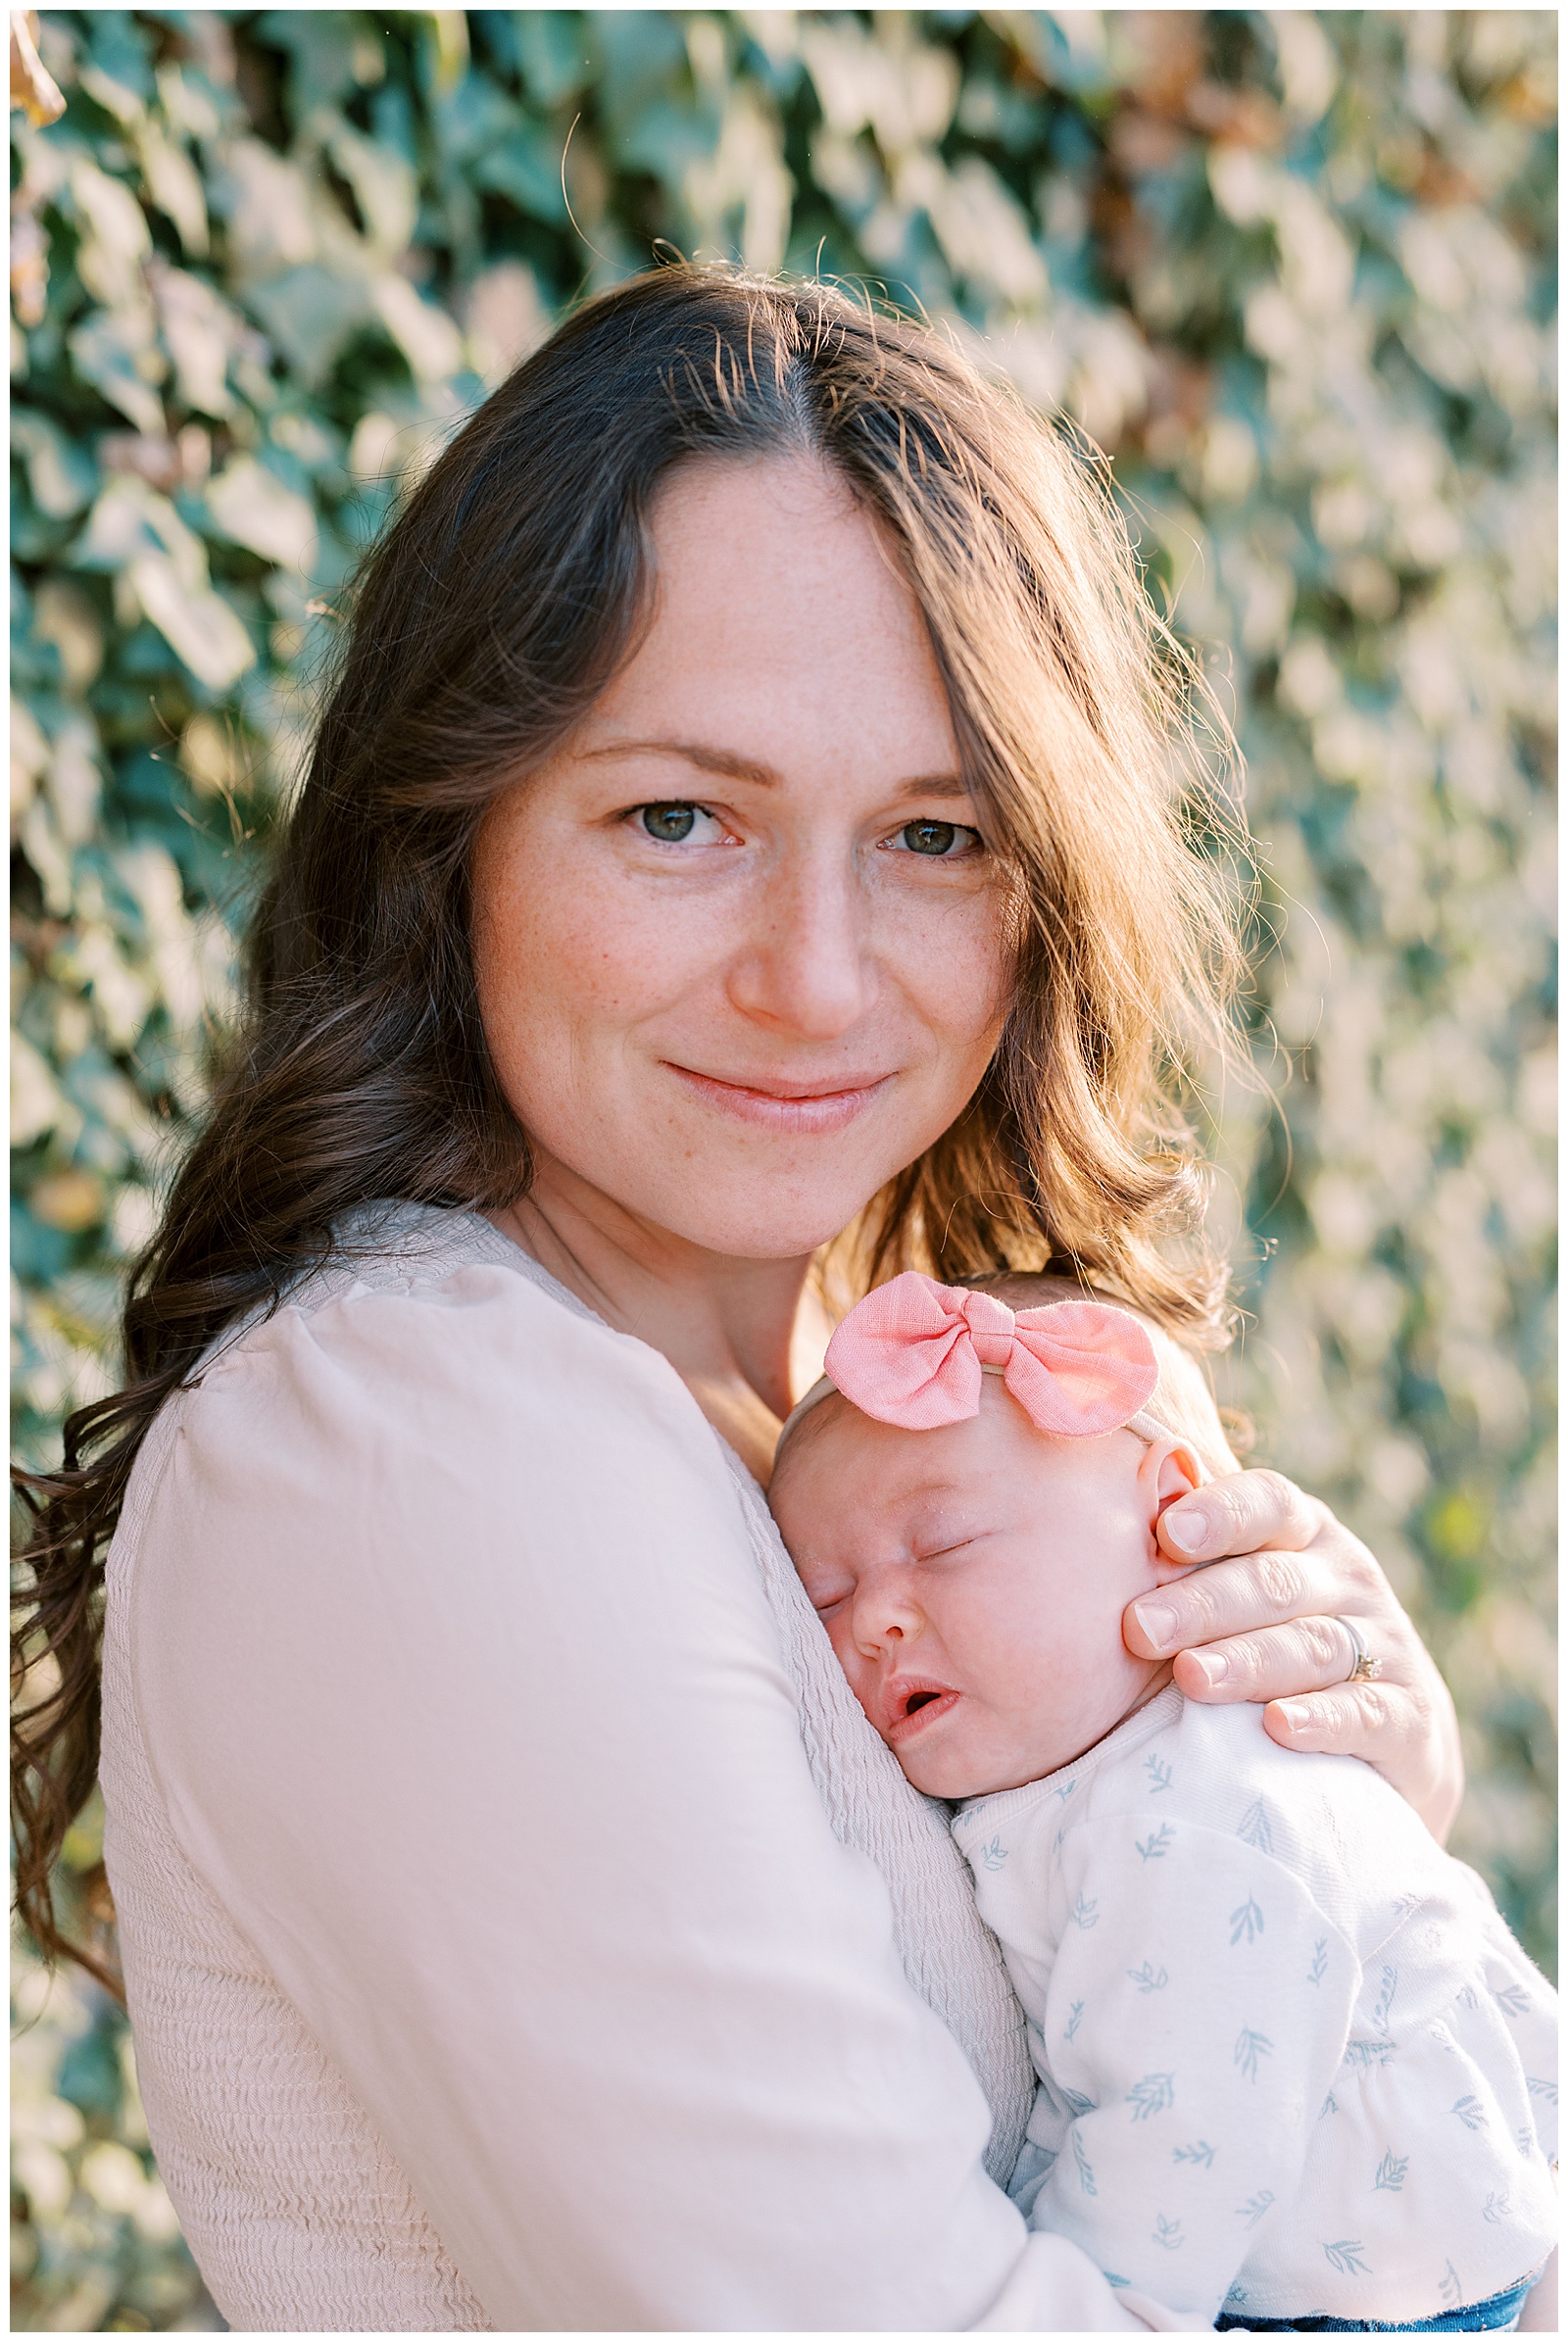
(523, 1928)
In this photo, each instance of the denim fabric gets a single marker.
(1498, 2316)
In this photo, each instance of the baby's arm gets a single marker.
(1197, 2013)
(1529, 2005)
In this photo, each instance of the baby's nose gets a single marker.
(886, 1615)
(990, 1323)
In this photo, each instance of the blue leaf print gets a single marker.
(1198, 2152)
(1157, 1844)
(1496, 2207)
(1540, 2089)
(1346, 2257)
(1254, 2208)
(1249, 2047)
(1471, 2113)
(994, 1855)
(1064, 1791)
(1405, 1904)
(1247, 1923)
(1167, 2232)
(1525, 2141)
(1075, 2017)
(1467, 1998)
(1151, 2095)
(1451, 2288)
(1075, 2101)
(1086, 2169)
(1330, 2106)
(1320, 1961)
(1391, 2171)
(1085, 1915)
(1384, 2000)
(1254, 1829)
(1513, 2000)
(1148, 1978)
(1368, 2053)
(1160, 1774)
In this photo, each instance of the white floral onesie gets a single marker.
(1292, 2063)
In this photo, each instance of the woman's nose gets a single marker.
(806, 969)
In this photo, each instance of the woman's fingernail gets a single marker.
(1297, 1716)
(1159, 1623)
(1213, 1666)
(1187, 1531)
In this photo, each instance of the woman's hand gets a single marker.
(1267, 1627)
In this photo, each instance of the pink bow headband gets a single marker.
(913, 1351)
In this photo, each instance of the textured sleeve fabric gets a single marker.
(1196, 2017)
(464, 1700)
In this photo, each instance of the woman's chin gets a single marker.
(753, 1226)
(762, 1205)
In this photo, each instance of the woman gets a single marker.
(746, 815)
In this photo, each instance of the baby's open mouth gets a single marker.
(911, 1707)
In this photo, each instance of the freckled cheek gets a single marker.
(587, 957)
(956, 971)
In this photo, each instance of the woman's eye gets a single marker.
(672, 825)
(680, 823)
(940, 841)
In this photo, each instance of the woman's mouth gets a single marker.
(804, 1108)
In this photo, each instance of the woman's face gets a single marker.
(739, 943)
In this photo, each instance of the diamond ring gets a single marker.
(1364, 1669)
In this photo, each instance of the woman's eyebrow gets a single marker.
(745, 768)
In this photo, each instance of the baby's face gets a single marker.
(973, 1579)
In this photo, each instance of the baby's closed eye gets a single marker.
(825, 1592)
(951, 1549)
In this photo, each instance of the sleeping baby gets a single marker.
(1294, 2071)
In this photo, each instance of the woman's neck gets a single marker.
(744, 1336)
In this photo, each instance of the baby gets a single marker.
(1295, 2073)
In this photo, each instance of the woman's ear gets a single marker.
(1168, 1472)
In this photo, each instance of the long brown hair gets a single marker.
(486, 622)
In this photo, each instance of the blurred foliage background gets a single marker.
(1293, 270)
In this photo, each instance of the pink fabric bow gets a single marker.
(913, 1351)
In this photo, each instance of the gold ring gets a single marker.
(1364, 1669)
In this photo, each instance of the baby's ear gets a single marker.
(1168, 1472)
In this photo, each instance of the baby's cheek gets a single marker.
(856, 1674)
(1049, 1688)
(1005, 1638)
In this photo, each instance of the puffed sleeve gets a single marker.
(1197, 2013)
(467, 1702)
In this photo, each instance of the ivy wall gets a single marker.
(1294, 270)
